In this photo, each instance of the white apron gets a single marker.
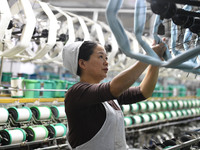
(111, 136)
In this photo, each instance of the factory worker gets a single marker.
(95, 120)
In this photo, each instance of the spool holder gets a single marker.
(52, 120)
(5, 125)
(42, 121)
(21, 124)
(59, 120)
(57, 140)
(60, 140)
(145, 127)
(51, 131)
(33, 122)
(5, 139)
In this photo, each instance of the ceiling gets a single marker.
(127, 4)
(90, 8)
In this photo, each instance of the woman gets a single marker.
(95, 120)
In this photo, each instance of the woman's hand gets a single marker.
(159, 48)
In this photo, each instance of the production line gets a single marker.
(23, 126)
(32, 107)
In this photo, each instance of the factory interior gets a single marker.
(34, 81)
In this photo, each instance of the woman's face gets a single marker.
(97, 65)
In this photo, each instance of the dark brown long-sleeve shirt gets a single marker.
(85, 111)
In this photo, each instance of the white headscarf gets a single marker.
(70, 56)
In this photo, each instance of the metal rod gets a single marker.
(53, 147)
(99, 10)
(162, 91)
(182, 145)
(24, 144)
(15, 89)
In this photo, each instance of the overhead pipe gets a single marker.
(186, 2)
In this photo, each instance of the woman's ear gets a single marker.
(81, 63)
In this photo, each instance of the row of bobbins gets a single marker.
(160, 116)
(32, 133)
(25, 113)
(160, 105)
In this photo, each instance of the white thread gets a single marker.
(137, 119)
(179, 113)
(161, 115)
(16, 136)
(150, 106)
(170, 105)
(128, 121)
(193, 111)
(175, 104)
(44, 112)
(25, 114)
(3, 115)
(197, 103)
(197, 110)
(18, 84)
(168, 115)
(135, 107)
(184, 112)
(154, 117)
(185, 104)
(143, 106)
(126, 109)
(189, 112)
(190, 103)
(174, 114)
(180, 102)
(146, 117)
(164, 105)
(158, 105)
(60, 130)
(40, 132)
(61, 110)
(21, 114)
(193, 103)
